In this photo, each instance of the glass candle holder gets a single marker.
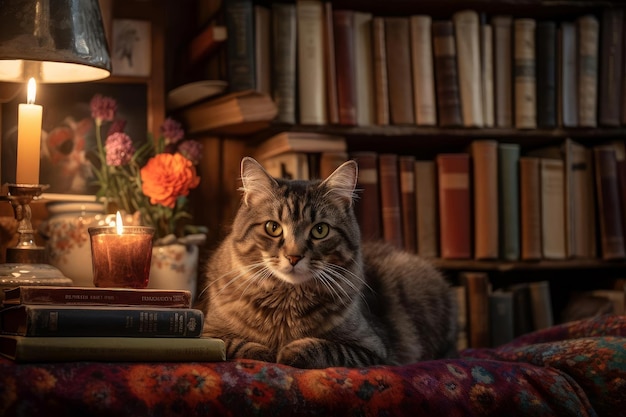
(123, 259)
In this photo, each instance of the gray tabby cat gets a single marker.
(292, 282)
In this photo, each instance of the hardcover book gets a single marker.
(97, 296)
(530, 208)
(310, 62)
(453, 171)
(568, 75)
(467, 35)
(588, 49)
(284, 58)
(611, 67)
(477, 292)
(509, 202)
(367, 207)
(553, 208)
(485, 193)
(345, 62)
(503, 71)
(390, 203)
(423, 70)
(406, 168)
(308, 142)
(67, 320)
(400, 77)
(427, 208)
(111, 349)
(241, 65)
(446, 74)
(381, 82)
(364, 71)
(546, 73)
(524, 80)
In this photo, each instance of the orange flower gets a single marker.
(168, 176)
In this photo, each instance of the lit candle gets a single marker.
(28, 138)
(121, 255)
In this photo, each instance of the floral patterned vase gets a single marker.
(174, 266)
(67, 241)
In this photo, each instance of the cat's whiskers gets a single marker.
(237, 275)
(329, 281)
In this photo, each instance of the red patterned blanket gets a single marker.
(576, 369)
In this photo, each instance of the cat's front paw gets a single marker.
(250, 350)
(304, 353)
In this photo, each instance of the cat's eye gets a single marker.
(273, 229)
(320, 231)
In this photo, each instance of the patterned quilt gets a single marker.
(575, 369)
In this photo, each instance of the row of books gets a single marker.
(492, 202)
(49, 323)
(492, 317)
(329, 66)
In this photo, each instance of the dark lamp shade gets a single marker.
(54, 41)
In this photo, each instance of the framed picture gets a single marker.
(131, 48)
(68, 141)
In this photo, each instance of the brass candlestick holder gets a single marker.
(26, 262)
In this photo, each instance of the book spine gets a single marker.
(332, 107)
(113, 349)
(553, 208)
(477, 292)
(467, 35)
(446, 75)
(93, 296)
(406, 167)
(343, 29)
(239, 18)
(568, 75)
(262, 49)
(381, 83)
(400, 77)
(135, 322)
(530, 208)
(284, 56)
(503, 84)
(485, 192)
(423, 70)
(390, 199)
(609, 205)
(453, 171)
(545, 41)
(588, 36)
(310, 62)
(367, 207)
(427, 209)
(509, 205)
(611, 67)
(524, 74)
(205, 43)
(501, 314)
(364, 71)
(486, 60)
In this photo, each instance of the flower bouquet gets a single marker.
(151, 182)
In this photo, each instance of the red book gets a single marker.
(406, 167)
(345, 61)
(206, 42)
(453, 172)
(97, 296)
(390, 199)
(367, 206)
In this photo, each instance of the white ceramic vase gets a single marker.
(174, 266)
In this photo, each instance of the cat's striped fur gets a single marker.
(292, 282)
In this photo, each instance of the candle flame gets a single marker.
(118, 223)
(31, 91)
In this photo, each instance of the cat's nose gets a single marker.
(293, 259)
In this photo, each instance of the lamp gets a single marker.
(52, 41)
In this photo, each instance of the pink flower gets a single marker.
(103, 108)
(172, 131)
(119, 149)
(192, 150)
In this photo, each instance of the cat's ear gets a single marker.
(342, 182)
(255, 180)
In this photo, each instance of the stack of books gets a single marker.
(46, 323)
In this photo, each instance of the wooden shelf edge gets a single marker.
(502, 266)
